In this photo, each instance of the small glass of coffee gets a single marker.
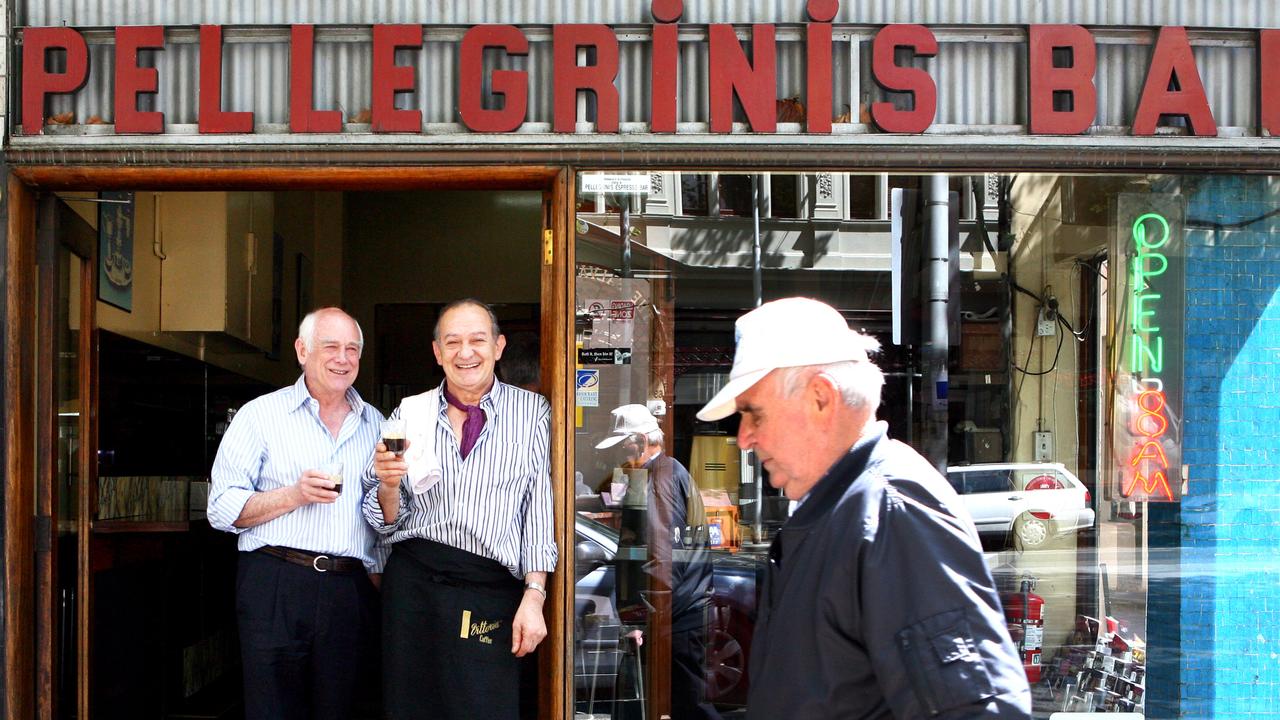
(393, 436)
(333, 471)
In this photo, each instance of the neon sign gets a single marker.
(1147, 430)
(1150, 463)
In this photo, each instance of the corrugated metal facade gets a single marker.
(980, 73)
(1127, 13)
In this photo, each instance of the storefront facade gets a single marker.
(1062, 224)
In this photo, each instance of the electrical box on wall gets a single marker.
(1046, 322)
(1044, 446)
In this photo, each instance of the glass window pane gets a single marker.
(1025, 390)
(784, 197)
(693, 194)
(735, 195)
(863, 203)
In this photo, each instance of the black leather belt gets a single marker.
(315, 561)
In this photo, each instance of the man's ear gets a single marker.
(300, 348)
(825, 392)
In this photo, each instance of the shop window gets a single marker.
(1029, 373)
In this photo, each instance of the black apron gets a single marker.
(446, 635)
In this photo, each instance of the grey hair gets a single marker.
(654, 437)
(493, 319)
(307, 328)
(859, 381)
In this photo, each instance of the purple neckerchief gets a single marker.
(473, 425)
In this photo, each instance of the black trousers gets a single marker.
(446, 635)
(688, 685)
(304, 637)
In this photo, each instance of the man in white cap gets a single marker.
(877, 601)
(664, 514)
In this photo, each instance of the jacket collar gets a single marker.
(824, 495)
(820, 502)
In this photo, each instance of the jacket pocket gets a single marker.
(941, 657)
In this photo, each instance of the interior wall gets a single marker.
(310, 224)
(407, 247)
(1043, 402)
(353, 250)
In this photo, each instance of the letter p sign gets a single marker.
(38, 81)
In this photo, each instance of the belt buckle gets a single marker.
(315, 563)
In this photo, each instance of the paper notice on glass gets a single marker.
(612, 322)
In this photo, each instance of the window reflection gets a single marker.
(669, 563)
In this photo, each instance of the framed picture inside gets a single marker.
(115, 249)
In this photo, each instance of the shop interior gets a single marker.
(199, 320)
(205, 315)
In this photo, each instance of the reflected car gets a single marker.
(605, 661)
(1030, 503)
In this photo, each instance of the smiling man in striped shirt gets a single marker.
(464, 586)
(304, 601)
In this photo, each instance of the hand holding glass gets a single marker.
(393, 436)
(333, 471)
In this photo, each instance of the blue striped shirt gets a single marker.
(497, 502)
(270, 442)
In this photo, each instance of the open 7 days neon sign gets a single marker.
(1148, 467)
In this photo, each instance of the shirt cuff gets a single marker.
(225, 509)
(373, 511)
(539, 560)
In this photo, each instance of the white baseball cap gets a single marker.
(627, 421)
(784, 333)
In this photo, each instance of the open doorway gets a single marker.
(205, 321)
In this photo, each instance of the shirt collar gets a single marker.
(489, 401)
(299, 396)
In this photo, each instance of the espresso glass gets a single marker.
(333, 471)
(393, 436)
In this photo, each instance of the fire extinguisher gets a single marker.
(1024, 612)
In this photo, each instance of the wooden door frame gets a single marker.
(58, 228)
(20, 651)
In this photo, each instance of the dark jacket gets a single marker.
(679, 563)
(877, 602)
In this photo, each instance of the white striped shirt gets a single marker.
(270, 442)
(497, 502)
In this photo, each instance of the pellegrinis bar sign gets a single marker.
(1060, 92)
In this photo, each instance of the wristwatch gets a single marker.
(534, 585)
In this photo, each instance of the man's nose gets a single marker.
(746, 437)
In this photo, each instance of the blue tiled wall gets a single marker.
(1229, 658)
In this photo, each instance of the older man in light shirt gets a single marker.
(304, 601)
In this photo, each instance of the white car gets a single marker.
(1030, 502)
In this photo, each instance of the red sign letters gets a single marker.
(1061, 93)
